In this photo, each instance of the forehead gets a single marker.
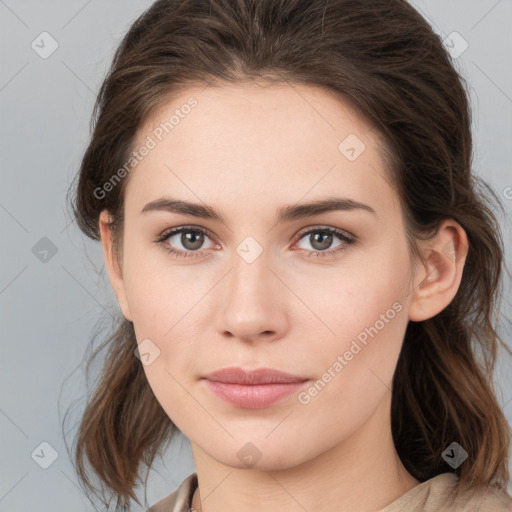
(278, 142)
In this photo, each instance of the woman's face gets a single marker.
(263, 284)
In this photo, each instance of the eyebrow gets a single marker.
(284, 214)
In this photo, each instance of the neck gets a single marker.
(363, 472)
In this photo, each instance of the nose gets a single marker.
(253, 302)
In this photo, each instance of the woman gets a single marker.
(306, 267)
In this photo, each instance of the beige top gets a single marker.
(435, 495)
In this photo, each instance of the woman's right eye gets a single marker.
(190, 239)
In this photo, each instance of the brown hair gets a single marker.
(385, 60)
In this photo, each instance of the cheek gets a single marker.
(355, 369)
(161, 304)
(165, 302)
(158, 294)
(357, 297)
(364, 318)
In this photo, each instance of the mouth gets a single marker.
(252, 389)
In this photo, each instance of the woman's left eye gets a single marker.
(192, 239)
(321, 239)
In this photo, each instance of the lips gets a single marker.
(252, 377)
(253, 389)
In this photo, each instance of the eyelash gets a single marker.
(347, 241)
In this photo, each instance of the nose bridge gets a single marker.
(250, 271)
(252, 303)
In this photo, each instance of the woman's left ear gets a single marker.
(439, 275)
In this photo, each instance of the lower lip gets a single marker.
(253, 396)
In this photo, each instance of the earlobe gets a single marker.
(439, 276)
(112, 265)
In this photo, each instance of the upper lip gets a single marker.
(235, 375)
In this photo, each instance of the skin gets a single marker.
(247, 150)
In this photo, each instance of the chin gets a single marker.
(262, 455)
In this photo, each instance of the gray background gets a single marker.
(50, 303)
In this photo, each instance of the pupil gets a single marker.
(327, 239)
(192, 240)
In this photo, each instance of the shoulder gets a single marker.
(492, 499)
(442, 492)
(179, 500)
